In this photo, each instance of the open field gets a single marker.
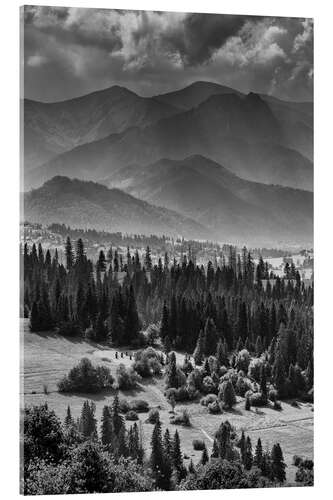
(47, 357)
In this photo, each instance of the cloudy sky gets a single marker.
(72, 51)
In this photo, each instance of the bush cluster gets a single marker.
(86, 378)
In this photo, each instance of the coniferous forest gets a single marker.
(245, 333)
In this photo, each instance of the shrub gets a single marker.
(206, 400)
(198, 444)
(127, 378)
(86, 378)
(147, 362)
(277, 405)
(297, 460)
(182, 419)
(124, 406)
(131, 415)
(153, 416)
(231, 375)
(243, 360)
(139, 405)
(184, 393)
(243, 385)
(214, 407)
(272, 395)
(208, 385)
(257, 399)
(254, 370)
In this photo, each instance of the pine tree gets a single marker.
(177, 458)
(167, 445)
(248, 457)
(242, 445)
(278, 465)
(68, 422)
(198, 354)
(87, 423)
(247, 403)
(204, 457)
(222, 353)
(258, 455)
(171, 379)
(156, 457)
(101, 263)
(227, 394)
(215, 450)
(148, 261)
(106, 427)
(69, 254)
(191, 468)
(206, 369)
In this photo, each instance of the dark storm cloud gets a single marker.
(72, 51)
(205, 33)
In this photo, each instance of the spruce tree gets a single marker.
(68, 422)
(198, 354)
(69, 254)
(227, 394)
(87, 423)
(248, 457)
(215, 450)
(278, 465)
(177, 458)
(106, 427)
(222, 353)
(258, 455)
(156, 457)
(204, 457)
(191, 468)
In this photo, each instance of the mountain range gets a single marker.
(205, 161)
(82, 204)
(194, 198)
(256, 137)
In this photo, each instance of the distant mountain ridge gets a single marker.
(200, 200)
(86, 205)
(224, 203)
(53, 128)
(240, 132)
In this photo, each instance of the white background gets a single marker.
(9, 231)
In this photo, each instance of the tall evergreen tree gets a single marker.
(278, 465)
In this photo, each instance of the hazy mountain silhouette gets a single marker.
(224, 203)
(52, 128)
(240, 132)
(90, 205)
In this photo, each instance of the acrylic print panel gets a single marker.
(167, 248)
